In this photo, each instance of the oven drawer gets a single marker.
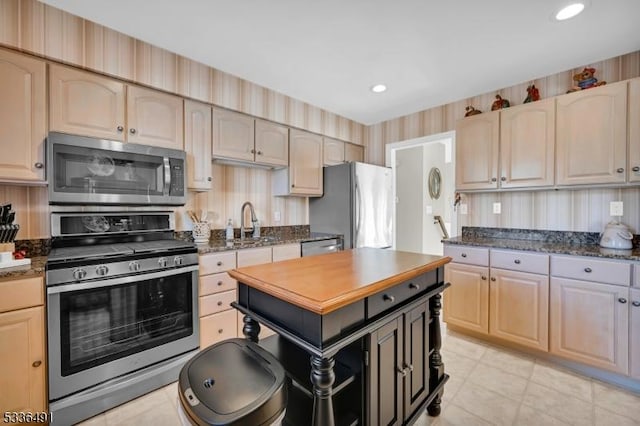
(469, 255)
(520, 261)
(590, 269)
(21, 293)
(210, 284)
(216, 302)
(217, 327)
(217, 262)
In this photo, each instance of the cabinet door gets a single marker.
(254, 256)
(634, 130)
(353, 152)
(86, 104)
(197, 144)
(233, 135)
(305, 165)
(333, 152)
(527, 145)
(519, 307)
(272, 144)
(466, 302)
(416, 362)
(589, 323)
(477, 151)
(22, 361)
(385, 374)
(634, 334)
(23, 121)
(591, 135)
(154, 118)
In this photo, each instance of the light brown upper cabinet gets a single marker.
(86, 104)
(239, 137)
(90, 105)
(154, 118)
(527, 145)
(634, 131)
(353, 152)
(591, 136)
(197, 144)
(477, 141)
(333, 152)
(303, 177)
(23, 118)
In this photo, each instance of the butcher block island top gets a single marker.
(323, 284)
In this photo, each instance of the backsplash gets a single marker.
(566, 237)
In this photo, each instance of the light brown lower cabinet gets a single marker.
(466, 302)
(634, 334)
(589, 323)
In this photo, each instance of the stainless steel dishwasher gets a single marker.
(312, 248)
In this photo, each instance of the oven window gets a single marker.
(103, 324)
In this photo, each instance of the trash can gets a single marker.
(233, 382)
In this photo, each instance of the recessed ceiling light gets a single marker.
(569, 11)
(378, 88)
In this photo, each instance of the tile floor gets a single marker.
(488, 386)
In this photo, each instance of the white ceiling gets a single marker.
(329, 53)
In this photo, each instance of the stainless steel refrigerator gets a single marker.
(357, 203)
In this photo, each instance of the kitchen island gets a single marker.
(357, 331)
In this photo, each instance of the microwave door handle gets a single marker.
(167, 176)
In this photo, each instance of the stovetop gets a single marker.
(106, 251)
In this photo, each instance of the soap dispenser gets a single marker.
(229, 230)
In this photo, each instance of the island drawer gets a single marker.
(397, 294)
(217, 262)
(590, 269)
(465, 254)
(217, 302)
(520, 261)
(217, 327)
(216, 283)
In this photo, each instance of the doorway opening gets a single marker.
(424, 192)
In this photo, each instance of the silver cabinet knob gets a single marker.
(402, 371)
(132, 131)
(494, 180)
(37, 363)
(413, 286)
(483, 278)
(463, 255)
(636, 169)
(219, 263)
(635, 303)
(219, 283)
(253, 151)
(220, 303)
(588, 270)
(388, 298)
(408, 367)
(220, 331)
(119, 129)
(209, 179)
(620, 170)
(504, 179)
(259, 153)
(38, 165)
(622, 300)
(493, 278)
(517, 261)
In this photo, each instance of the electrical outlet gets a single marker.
(497, 208)
(429, 209)
(616, 208)
(464, 209)
(276, 216)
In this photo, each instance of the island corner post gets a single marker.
(319, 327)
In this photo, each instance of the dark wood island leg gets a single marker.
(436, 365)
(251, 328)
(322, 378)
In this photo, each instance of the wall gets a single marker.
(568, 210)
(53, 34)
(434, 156)
(409, 193)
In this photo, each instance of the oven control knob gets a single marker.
(79, 274)
(178, 260)
(134, 266)
(102, 270)
(162, 262)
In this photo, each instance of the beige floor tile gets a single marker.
(99, 420)
(528, 416)
(562, 381)
(458, 365)
(452, 387)
(559, 405)
(499, 381)
(463, 345)
(172, 392)
(139, 408)
(164, 415)
(511, 362)
(457, 416)
(625, 403)
(488, 405)
(607, 418)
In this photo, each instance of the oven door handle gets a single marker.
(117, 281)
(167, 176)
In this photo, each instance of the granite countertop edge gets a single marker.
(591, 250)
(36, 268)
(215, 246)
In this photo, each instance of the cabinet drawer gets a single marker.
(217, 262)
(217, 302)
(21, 293)
(588, 269)
(254, 256)
(286, 251)
(397, 294)
(217, 327)
(520, 261)
(469, 255)
(216, 283)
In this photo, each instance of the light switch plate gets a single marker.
(497, 208)
(276, 216)
(616, 208)
(464, 209)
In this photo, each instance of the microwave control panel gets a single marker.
(177, 177)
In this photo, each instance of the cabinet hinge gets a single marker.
(366, 358)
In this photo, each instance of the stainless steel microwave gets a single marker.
(84, 170)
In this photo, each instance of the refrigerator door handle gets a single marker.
(358, 207)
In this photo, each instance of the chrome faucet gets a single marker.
(254, 220)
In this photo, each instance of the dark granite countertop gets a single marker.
(541, 241)
(34, 269)
(220, 245)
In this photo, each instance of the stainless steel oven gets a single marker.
(83, 170)
(122, 309)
